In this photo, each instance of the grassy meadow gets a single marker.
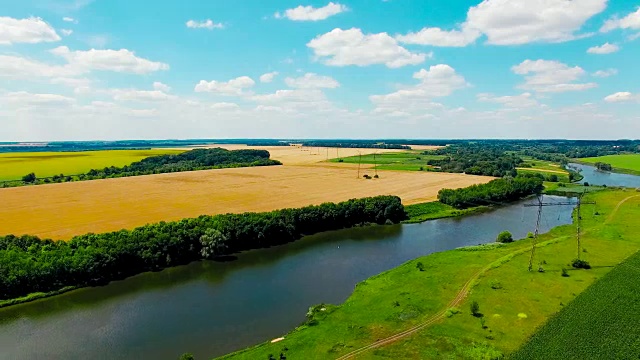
(410, 160)
(628, 163)
(13, 166)
(513, 302)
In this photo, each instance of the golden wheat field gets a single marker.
(60, 211)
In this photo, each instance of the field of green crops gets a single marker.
(409, 161)
(601, 323)
(620, 163)
(44, 164)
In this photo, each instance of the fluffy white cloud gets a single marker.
(550, 76)
(161, 87)
(225, 106)
(513, 22)
(32, 30)
(351, 47)
(23, 98)
(605, 73)
(312, 81)
(205, 24)
(268, 77)
(235, 86)
(121, 60)
(140, 95)
(523, 100)
(623, 96)
(309, 13)
(439, 81)
(631, 21)
(439, 37)
(66, 32)
(605, 48)
(22, 68)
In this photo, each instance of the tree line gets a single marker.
(198, 159)
(29, 264)
(475, 159)
(492, 193)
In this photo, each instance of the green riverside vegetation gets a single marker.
(491, 193)
(601, 323)
(31, 265)
(435, 297)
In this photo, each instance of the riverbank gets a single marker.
(513, 301)
(614, 169)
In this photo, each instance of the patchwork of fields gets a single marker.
(62, 210)
(13, 166)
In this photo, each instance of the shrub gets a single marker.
(475, 309)
(340, 160)
(451, 311)
(553, 178)
(495, 284)
(580, 264)
(376, 176)
(420, 266)
(29, 178)
(505, 237)
(586, 183)
(565, 273)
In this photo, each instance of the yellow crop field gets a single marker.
(45, 164)
(60, 211)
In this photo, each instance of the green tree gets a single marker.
(475, 308)
(553, 178)
(29, 178)
(505, 237)
(213, 243)
(187, 356)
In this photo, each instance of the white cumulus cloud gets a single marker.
(204, 24)
(605, 48)
(31, 30)
(66, 32)
(550, 76)
(623, 96)
(513, 22)
(351, 47)
(236, 86)
(631, 21)
(309, 13)
(523, 100)
(268, 77)
(122, 60)
(605, 73)
(161, 87)
(312, 81)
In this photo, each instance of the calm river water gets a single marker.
(212, 308)
(595, 177)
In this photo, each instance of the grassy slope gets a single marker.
(436, 210)
(601, 323)
(45, 164)
(629, 163)
(402, 297)
(410, 160)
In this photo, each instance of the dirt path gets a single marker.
(462, 294)
(559, 172)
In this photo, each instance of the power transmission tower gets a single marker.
(580, 203)
(540, 205)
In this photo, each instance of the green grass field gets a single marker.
(629, 163)
(408, 161)
(436, 210)
(513, 301)
(13, 166)
(601, 323)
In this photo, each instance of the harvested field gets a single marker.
(60, 211)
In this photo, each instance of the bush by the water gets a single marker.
(580, 264)
(492, 193)
(505, 237)
(29, 264)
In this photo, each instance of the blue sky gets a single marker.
(82, 69)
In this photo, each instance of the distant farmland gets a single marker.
(45, 164)
(68, 209)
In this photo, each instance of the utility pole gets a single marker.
(540, 205)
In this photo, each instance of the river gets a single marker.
(596, 177)
(212, 308)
